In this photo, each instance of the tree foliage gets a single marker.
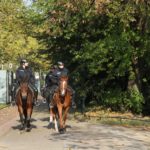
(104, 43)
(17, 32)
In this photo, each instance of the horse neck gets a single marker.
(63, 86)
(24, 88)
(28, 93)
(24, 85)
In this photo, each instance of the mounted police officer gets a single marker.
(24, 73)
(62, 70)
(21, 75)
(32, 83)
(50, 83)
(55, 76)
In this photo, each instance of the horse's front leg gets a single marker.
(61, 129)
(65, 116)
(55, 118)
(56, 124)
(29, 113)
(51, 116)
(22, 118)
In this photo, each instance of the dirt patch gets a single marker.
(7, 114)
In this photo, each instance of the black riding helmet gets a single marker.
(53, 67)
(60, 63)
(22, 61)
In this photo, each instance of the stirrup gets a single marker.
(51, 106)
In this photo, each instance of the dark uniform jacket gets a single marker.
(52, 78)
(48, 79)
(24, 75)
(31, 75)
(60, 72)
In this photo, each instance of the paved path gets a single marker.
(79, 136)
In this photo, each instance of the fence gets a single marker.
(6, 83)
(6, 79)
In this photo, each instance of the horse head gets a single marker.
(63, 85)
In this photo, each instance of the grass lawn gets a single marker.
(99, 115)
(2, 105)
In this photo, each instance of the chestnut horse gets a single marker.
(62, 102)
(24, 101)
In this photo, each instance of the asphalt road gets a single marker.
(79, 136)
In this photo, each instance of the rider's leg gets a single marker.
(73, 104)
(50, 99)
(35, 90)
(16, 88)
(43, 90)
(52, 91)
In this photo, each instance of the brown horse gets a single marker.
(24, 101)
(61, 101)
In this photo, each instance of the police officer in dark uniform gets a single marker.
(50, 76)
(32, 82)
(21, 75)
(50, 84)
(24, 73)
(55, 77)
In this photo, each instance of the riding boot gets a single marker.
(35, 90)
(52, 91)
(16, 88)
(50, 100)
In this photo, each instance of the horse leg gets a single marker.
(55, 118)
(25, 115)
(20, 109)
(51, 116)
(61, 130)
(65, 117)
(29, 112)
(56, 124)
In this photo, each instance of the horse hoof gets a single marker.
(28, 129)
(61, 131)
(50, 125)
(22, 127)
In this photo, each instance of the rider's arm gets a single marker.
(54, 79)
(32, 78)
(17, 77)
(47, 80)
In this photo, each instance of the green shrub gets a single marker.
(123, 101)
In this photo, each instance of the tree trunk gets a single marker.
(134, 81)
